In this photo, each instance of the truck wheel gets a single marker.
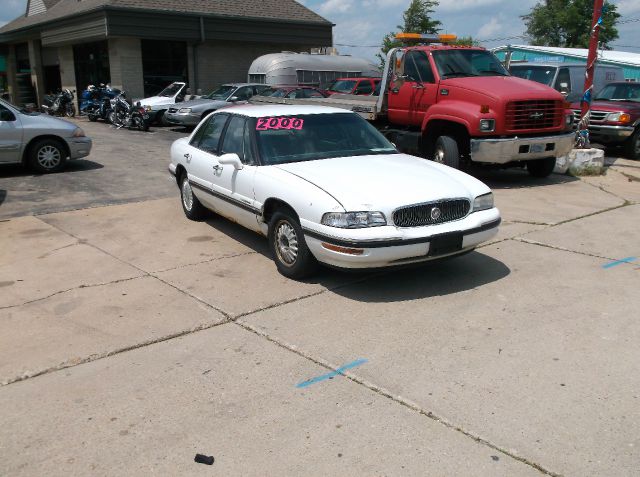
(632, 146)
(446, 152)
(541, 167)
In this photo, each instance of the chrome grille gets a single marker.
(420, 215)
(536, 114)
(595, 117)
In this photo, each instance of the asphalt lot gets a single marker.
(132, 339)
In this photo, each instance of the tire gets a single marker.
(107, 116)
(92, 117)
(162, 119)
(632, 145)
(446, 151)
(541, 167)
(290, 252)
(47, 155)
(111, 117)
(191, 206)
(70, 110)
(141, 124)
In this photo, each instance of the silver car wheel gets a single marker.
(438, 155)
(286, 243)
(187, 195)
(49, 157)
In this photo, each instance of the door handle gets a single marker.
(418, 86)
(217, 168)
(187, 157)
(395, 90)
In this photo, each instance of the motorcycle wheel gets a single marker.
(112, 118)
(142, 125)
(70, 111)
(92, 117)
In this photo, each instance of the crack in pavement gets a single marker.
(381, 391)
(560, 249)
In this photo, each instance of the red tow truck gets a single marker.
(458, 104)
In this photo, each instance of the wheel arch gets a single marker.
(53, 137)
(180, 169)
(272, 205)
(442, 127)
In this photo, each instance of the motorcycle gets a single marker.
(60, 104)
(100, 107)
(124, 114)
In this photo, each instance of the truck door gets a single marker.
(415, 92)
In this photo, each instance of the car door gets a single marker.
(235, 186)
(202, 159)
(410, 99)
(11, 135)
(244, 93)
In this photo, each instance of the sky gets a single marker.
(364, 22)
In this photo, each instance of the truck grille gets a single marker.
(537, 114)
(421, 214)
(596, 117)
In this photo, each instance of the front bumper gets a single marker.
(609, 134)
(393, 246)
(502, 151)
(183, 119)
(79, 147)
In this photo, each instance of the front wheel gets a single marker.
(141, 124)
(47, 155)
(446, 152)
(191, 206)
(541, 167)
(632, 146)
(288, 247)
(70, 110)
(92, 117)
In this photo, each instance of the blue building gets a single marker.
(630, 62)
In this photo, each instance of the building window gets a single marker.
(92, 64)
(163, 62)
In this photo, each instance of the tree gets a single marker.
(567, 23)
(416, 19)
(465, 41)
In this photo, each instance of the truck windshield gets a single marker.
(222, 92)
(539, 74)
(460, 63)
(309, 137)
(620, 92)
(342, 86)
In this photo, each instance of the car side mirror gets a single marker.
(233, 99)
(6, 115)
(564, 88)
(231, 159)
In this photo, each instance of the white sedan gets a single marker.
(325, 186)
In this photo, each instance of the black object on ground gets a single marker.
(204, 459)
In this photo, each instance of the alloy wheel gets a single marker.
(49, 157)
(286, 243)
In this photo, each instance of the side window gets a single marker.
(294, 94)
(312, 93)
(6, 114)
(364, 87)
(563, 82)
(248, 157)
(416, 65)
(232, 142)
(211, 132)
(244, 93)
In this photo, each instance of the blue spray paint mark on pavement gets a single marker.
(330, 375)
(618, 262)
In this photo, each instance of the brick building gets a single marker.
(142, 45)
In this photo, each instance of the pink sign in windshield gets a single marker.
(279, 123)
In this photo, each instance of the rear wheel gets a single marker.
(141, 124)
(632, 146)
(290, 252)
(446, 152)
(92, 117)
(191, 206)
(541, 167)
(47, 155)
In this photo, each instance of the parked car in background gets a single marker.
(325, 186)
(39, 141)
(352, 86)
(189, 113)
(615, 117)
(157, 106)
(568, 79)
(293, 92)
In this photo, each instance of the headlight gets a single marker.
(487, 125)
(147, 108)
(483, 202)
(185, 110)
(354, 220)
(618, 117)
(78, 133)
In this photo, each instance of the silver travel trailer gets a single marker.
(289, 68)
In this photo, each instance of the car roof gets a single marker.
(290, 88)
(244, 84)
(260, 111)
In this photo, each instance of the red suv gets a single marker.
(615, 117)
(352, 86)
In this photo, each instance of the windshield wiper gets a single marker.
(458, 73)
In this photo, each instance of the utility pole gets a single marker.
(582, 140)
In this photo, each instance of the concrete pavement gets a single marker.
(132, 338)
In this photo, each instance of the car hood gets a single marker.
(505, 87)
(385, 182)
(156, 100)
(612, 106)
(46, 123)
(204, 103)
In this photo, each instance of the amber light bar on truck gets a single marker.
(442, 38)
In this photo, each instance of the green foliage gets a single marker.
(416, 19)
(567, 23)
(465, 41)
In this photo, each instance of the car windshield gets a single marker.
(222, 92)
(540, 74)
(461, 63)
(171, 90)
(309, 137)
(620, 92)
(342, 86)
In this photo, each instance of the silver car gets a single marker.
(191, 112)
(39, 141)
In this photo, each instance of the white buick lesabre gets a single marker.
(325, 186)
